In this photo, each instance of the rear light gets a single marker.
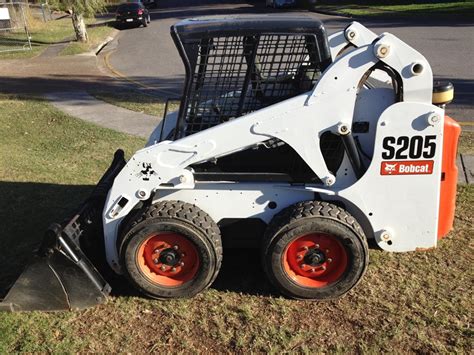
(140, 12)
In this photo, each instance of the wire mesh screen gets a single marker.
(234, 76)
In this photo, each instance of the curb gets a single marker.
(103, 44)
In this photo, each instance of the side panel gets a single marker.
(449, 177)
(399, 192)
(239, 200)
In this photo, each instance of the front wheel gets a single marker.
(314, 250)
(172, 250)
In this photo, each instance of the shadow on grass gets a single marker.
(105, 23)
(6, 41)
(27, 209)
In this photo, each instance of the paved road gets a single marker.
(149, 55)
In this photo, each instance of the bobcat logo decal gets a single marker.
(147, 172)
(390, 168)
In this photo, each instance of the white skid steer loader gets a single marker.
(305, 145)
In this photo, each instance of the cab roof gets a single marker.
(246, 25)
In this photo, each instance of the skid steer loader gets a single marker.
(303, 144)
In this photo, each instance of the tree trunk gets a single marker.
(79, 27)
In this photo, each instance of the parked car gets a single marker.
(280, 3)
(133, 13)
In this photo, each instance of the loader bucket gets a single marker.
(60, 276)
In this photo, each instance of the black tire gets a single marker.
(149, 19)
(145, 23)
(176, 218)
(314, 219)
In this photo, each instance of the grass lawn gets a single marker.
(44, 34)
(461, 8)
(410, 302)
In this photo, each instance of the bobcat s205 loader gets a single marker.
(302, 144)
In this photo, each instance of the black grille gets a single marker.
(236, 75)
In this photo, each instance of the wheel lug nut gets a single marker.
(317, 246)
(329, 260)
(323, 267)
(163, 268)
(181, 263)
(183, 255)
(313, 270)
(173, 269)
(305, 248)
(156, 261)
(327, 250)
(299, 257)
(302, 266)
(156, 251)
(175, 247)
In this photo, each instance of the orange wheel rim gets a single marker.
(168, 259)
(315, 260)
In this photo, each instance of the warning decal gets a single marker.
(407, 167)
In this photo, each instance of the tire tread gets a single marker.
(187, 213)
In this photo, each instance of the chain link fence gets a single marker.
(14, 34)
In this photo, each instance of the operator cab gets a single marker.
(237, 65)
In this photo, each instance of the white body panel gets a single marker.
(404, 205)
(402, 208)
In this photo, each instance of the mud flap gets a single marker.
(60, 276)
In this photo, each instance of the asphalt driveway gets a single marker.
(148, 55)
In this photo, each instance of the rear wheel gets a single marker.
(173, 249)
(314, 250)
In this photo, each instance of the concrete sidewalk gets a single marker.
(86, 107)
